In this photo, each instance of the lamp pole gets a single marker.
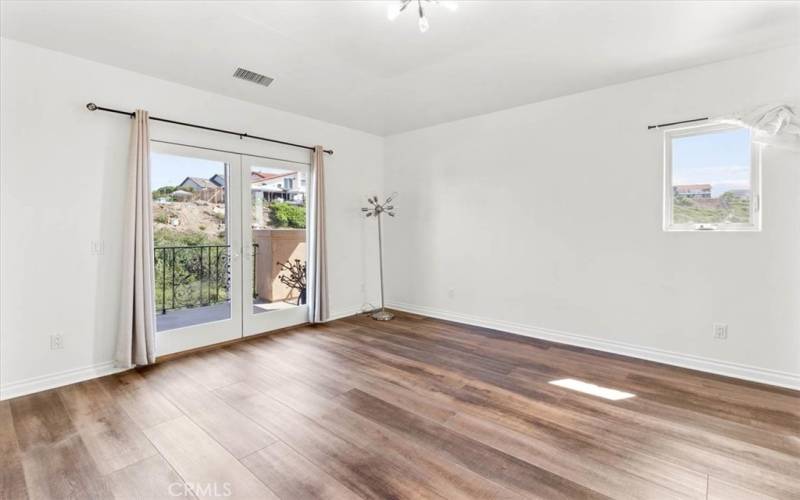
(376, 210)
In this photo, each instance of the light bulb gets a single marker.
(452, 6)
(393, 11)
(423, 24)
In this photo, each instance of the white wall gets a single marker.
(62, 185)
(572, 248)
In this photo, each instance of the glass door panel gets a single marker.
(196, 246)
(274, 195)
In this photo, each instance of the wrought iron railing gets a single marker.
(194, 276)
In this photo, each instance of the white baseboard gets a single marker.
(53, 380)
(345, 313)
(726, 368)
(745, 372)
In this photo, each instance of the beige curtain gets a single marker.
(318, 305)
(137, 325)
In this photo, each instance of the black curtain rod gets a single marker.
(93, 107)
(650, 127)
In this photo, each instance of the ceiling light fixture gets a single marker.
(396, 8)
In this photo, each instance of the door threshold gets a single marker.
(218, 345)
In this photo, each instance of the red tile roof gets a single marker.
(261, 177)
(685, 188)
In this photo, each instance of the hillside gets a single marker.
(729, 207)
(189, 219)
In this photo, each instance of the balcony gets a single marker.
(193, 282)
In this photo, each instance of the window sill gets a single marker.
(729, 229)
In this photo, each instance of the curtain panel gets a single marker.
(318, 298)
(137, 324)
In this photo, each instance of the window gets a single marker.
(711, 175)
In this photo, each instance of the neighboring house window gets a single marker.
(288, 183)
(711, 175)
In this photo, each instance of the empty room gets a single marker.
(400, 249)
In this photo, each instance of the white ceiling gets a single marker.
(344, 62)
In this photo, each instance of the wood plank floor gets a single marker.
(413, 408)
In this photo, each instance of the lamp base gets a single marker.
(382, 315)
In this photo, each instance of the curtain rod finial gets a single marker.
(91, 106)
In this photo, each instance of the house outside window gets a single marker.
(711, 179)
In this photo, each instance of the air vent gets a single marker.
(251, 76)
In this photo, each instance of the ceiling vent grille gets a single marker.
(252, 76)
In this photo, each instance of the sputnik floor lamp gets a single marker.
(376, 210)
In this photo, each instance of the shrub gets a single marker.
(165, 237)
(287, 215)
(161, 218)
(163, 192)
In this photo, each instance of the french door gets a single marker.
(275, 236)
(229, 245)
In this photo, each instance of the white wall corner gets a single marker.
(708, 365)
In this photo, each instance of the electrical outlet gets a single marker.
(98, 247)
(720, 331)
(451, 293)
(56, 342)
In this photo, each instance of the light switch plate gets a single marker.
(98, 247)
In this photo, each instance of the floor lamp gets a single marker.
(376, 210)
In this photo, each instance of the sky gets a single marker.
(171, 170)
(721, 159)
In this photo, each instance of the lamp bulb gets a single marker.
(423, 24)
(393, 11)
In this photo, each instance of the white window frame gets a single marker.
(755, 181)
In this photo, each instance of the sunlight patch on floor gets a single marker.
(594, 390)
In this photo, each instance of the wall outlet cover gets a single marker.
(56, 342)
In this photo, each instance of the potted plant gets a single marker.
(293, 275)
